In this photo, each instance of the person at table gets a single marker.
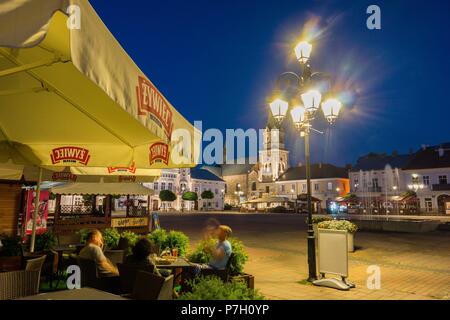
(94, 251)
(220, 253)
(141, 258)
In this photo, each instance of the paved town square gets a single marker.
(413, 266)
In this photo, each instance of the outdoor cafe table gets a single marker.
(180, 263)
(77, 294)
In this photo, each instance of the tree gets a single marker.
(208, 195)
(167, 196)
(191, 196)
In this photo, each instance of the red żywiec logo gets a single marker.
(70, 154)
(159, 152)
(131, 169)
(64, 176)
(151, 101)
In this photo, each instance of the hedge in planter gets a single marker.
(339, 225)
(172, 239)
(199, 255)
(45, 241)
(212, 288)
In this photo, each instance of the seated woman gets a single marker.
(141, 258)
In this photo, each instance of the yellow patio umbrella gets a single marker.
(71, 96)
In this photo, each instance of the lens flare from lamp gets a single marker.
(279, 109)
(311, 100)
(331, 109)
(298, 116)
(303, 51)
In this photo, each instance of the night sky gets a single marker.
(217, 61)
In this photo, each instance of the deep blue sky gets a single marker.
(217, 61)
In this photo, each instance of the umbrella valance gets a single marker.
(73, 97)
(102, 189)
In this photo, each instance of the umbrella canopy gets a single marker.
(102, 189)
(73, 97)
(9, 171)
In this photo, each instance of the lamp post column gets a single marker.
(311, 238)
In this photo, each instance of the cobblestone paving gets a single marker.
(413, 266)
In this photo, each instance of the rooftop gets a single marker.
(203, 174)
(430, 157)
(375, 161)
(318, 171)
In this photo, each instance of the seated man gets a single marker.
(94, 251)
(220, 253)
(141, 258)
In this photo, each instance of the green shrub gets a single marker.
(199, 255)
(83, 233)
(177, 239)
(167, 195)
(212, 288)
(339, 225)
(111, 238)
(45, 241)
(207, 194)
(10, 246)
(173, 239)
(131, 237)
(227, 207)
(190, 196)
(317, 220)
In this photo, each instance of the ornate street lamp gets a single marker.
(302, 117)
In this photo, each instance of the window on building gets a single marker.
(282, 188)
(170, 186)
(217, 204)
(375, 182)
(267, 189)
(216, 191)
(163, 186)
(293, 188)
(442, 179)
(155, 186)
(253, 186)
(304, 188)
(426, 180)
(330, 186)
(316, 187)
(196, 190)
(428, 205)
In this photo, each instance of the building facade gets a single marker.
(428, 174)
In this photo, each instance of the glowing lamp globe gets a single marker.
(311, 100)
(298, 116)
(279, 109)
(303, 51)
(331, 109)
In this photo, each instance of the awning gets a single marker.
(303, 197)
(269, 200)
(73, 97)
(102, 189)
(11, 171)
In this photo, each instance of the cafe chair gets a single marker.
(90, 277)
(18, 284)
(128, 274)
(225, 274)
(152, 287)
(36, 264)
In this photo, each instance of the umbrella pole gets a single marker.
(36, 210)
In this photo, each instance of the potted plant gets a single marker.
(45, 242)
(10, 253)
(207, 195)
(316, 220)
(111, 238)
(162, 240)
(345, 225)
(212, 288)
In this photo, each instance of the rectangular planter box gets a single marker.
(247, 278)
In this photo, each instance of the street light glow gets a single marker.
(279, 109)
(298, 116)
(303, 51)
(331, 109)
(311, 100)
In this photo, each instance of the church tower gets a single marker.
(273, 158)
